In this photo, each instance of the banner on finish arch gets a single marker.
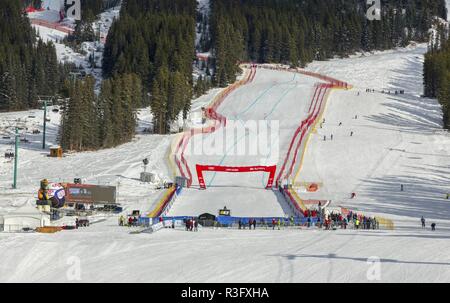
(238, 169)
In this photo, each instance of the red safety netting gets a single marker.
(52, 25)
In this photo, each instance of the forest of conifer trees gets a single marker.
(92, 122)
(150, 50)
(297, 32)
(28, 67)
(156, 40)
(436, 71)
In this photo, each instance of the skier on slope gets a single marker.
(423, 222)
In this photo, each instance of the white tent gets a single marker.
(25, 217)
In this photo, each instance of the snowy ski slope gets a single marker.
(398, 139)
(407, 254)
(273, 96)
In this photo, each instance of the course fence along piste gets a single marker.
(315, 111)
(51, 25)
(218, 120)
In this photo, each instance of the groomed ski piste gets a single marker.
(398, 139)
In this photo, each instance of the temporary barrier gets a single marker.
(160, 207)
(49, 229)
(316, 104)
(240, 169)
(385, 223)
(265, 221)
(55, 26)
(297, 205)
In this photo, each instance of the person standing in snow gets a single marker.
(433, 226)
(351, 134)
(423, 222)
(331, 137)
(279, 224)
(274, 222)
(344, 223)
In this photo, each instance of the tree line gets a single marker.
(28, 66)
(436, 71)
(296, 32)
(155, 39)
(91, 121)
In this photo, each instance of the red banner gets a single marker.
(240, 169)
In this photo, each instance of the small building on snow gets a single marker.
(25, 218)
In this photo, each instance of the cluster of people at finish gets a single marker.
(337, 219)
(191, 224)
(359, 221)
(132, 221)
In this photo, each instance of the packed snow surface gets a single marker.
(107, 253)
(397, 140)
(266, 102)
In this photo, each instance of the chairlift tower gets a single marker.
(74, 75)
(45, 100)
(16, 158)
